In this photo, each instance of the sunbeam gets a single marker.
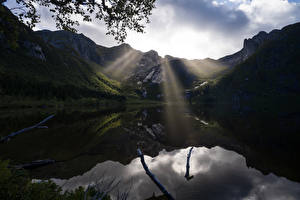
(206, 68)
(123, 65)
(176, 106)
(173, 91)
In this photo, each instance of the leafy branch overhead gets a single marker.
(118, 15)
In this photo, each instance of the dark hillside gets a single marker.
(31, 67)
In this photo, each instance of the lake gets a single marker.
(234, 156)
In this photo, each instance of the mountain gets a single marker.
(63, 64)
(143, 70)
(269, 80)
(30, 67)
(136, 64)
(250, 46)
(80, 45)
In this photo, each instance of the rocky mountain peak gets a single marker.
(76, 43)
(59, 38)
(150, 58)
(123, 47)
(168, 57)
(152, 53)
(249, 47)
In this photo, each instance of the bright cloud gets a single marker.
(203, 28)
(198, 28)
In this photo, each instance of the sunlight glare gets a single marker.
(176, 106)
(206, 68)
(124, 64)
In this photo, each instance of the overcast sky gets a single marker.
(198, 28)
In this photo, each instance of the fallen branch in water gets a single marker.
(153, 178)
(35, 164)
(187, 173)
(38, 125)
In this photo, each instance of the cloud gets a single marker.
(95, 30)
(205, 14)
(218, 174)
(204, 28)
(266, 14)
(198, 28)
(179, 29)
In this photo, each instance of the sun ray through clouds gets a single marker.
(207, 68)
(123, 65)
(176, 106)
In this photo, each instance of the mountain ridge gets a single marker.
(147, 67)
(29, 67)
(250, 45)
(268, 80)
(91, 66)
(147, 71)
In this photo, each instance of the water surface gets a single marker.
(235, 157)
(217, 174)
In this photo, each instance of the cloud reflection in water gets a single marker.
(218, 174)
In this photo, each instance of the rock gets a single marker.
(203, 84)
(149, 130)
(148, 69)
(149, 76)
(204, 122)
(158, 130)
(34, 50)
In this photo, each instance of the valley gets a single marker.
(240, 113)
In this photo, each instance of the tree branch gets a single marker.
(152, 176)
(187, 173)
(38, 125)
(60, 3)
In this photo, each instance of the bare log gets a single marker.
(35, 164)
(187, 173)
(38, 125)
(152, 176)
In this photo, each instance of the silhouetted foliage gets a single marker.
(118, 15)
(16, 184)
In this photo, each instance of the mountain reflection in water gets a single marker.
(218, 174)
(88, 145)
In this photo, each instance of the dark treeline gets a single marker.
(16, 86)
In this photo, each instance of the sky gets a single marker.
(197, 29)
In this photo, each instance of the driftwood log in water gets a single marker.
(187, 173)
(35, 164)
(38, 125)
(153, 178)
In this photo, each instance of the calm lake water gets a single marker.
(234, 157)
